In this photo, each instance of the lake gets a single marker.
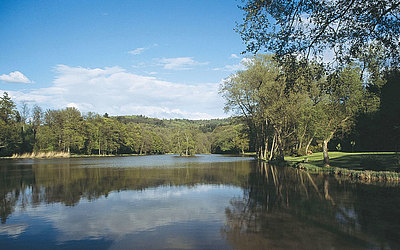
(202, 202)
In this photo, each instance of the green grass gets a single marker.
(368, 167)
(375, 161)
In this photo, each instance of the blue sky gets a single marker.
(161, 59)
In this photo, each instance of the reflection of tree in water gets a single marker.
(23, 185)
(288, 208)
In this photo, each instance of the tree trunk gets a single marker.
(325, 153)
(308, 145)
(141, 149)
(301, 138)
(281, 155)
(265, 150)
(325, 149)
(272, 148)
(187, 146)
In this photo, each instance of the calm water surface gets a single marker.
(203, 202)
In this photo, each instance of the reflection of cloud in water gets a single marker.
(129, 212)
(12, 230)
(163, 193)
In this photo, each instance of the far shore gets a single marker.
(55, 155)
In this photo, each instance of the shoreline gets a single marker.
(61, 155)
(367, 176)
(356, 166)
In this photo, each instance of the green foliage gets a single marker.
(289, 114)
(229, 138)
(309, 27)
(10, 136)
(69, 131)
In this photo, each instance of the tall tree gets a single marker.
(10, 139)
(72, 130)
(340, 103)
(269, 106)
(303, 28)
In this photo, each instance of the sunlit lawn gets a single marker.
(389, 161)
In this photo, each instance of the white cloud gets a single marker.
(137, 51)
(140, 50)
(107, 221)
(118, 92)
(15, 77)
(234, 56)
(180, 63)
(235, 67)
(13, 230)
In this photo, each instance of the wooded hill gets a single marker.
(67, 130)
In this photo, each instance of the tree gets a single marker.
(229, 138)
(72, 130)
(304, 28)
(10, 138)
(8, 112)
(261, 95)
(185, 141)
(24, 114)
(339, 104)
(37, 118)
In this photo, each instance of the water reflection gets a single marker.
(204, 202)
(288, 208)
(67, 181)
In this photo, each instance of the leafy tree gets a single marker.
(309, 27)
(24, 114)
(131, 137)
(229, 138)
(72, 130)
(10, 138)
(37, 118)
(339, 104)
(111, 136)
(8, 113)
(269, 106)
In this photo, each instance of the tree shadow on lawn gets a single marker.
(376, 162)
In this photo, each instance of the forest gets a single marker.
(27, 130)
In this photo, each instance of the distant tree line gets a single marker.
(28, 130)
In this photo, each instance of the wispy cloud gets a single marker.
(118, 92)
(110, 224)
(180, 63)
(140, 50)
(13, 230)
(234, 56)
(15, 77)
(137, 51)
(234, 67)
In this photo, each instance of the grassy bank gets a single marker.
(371, 166)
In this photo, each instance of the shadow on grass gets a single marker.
(375, 162)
